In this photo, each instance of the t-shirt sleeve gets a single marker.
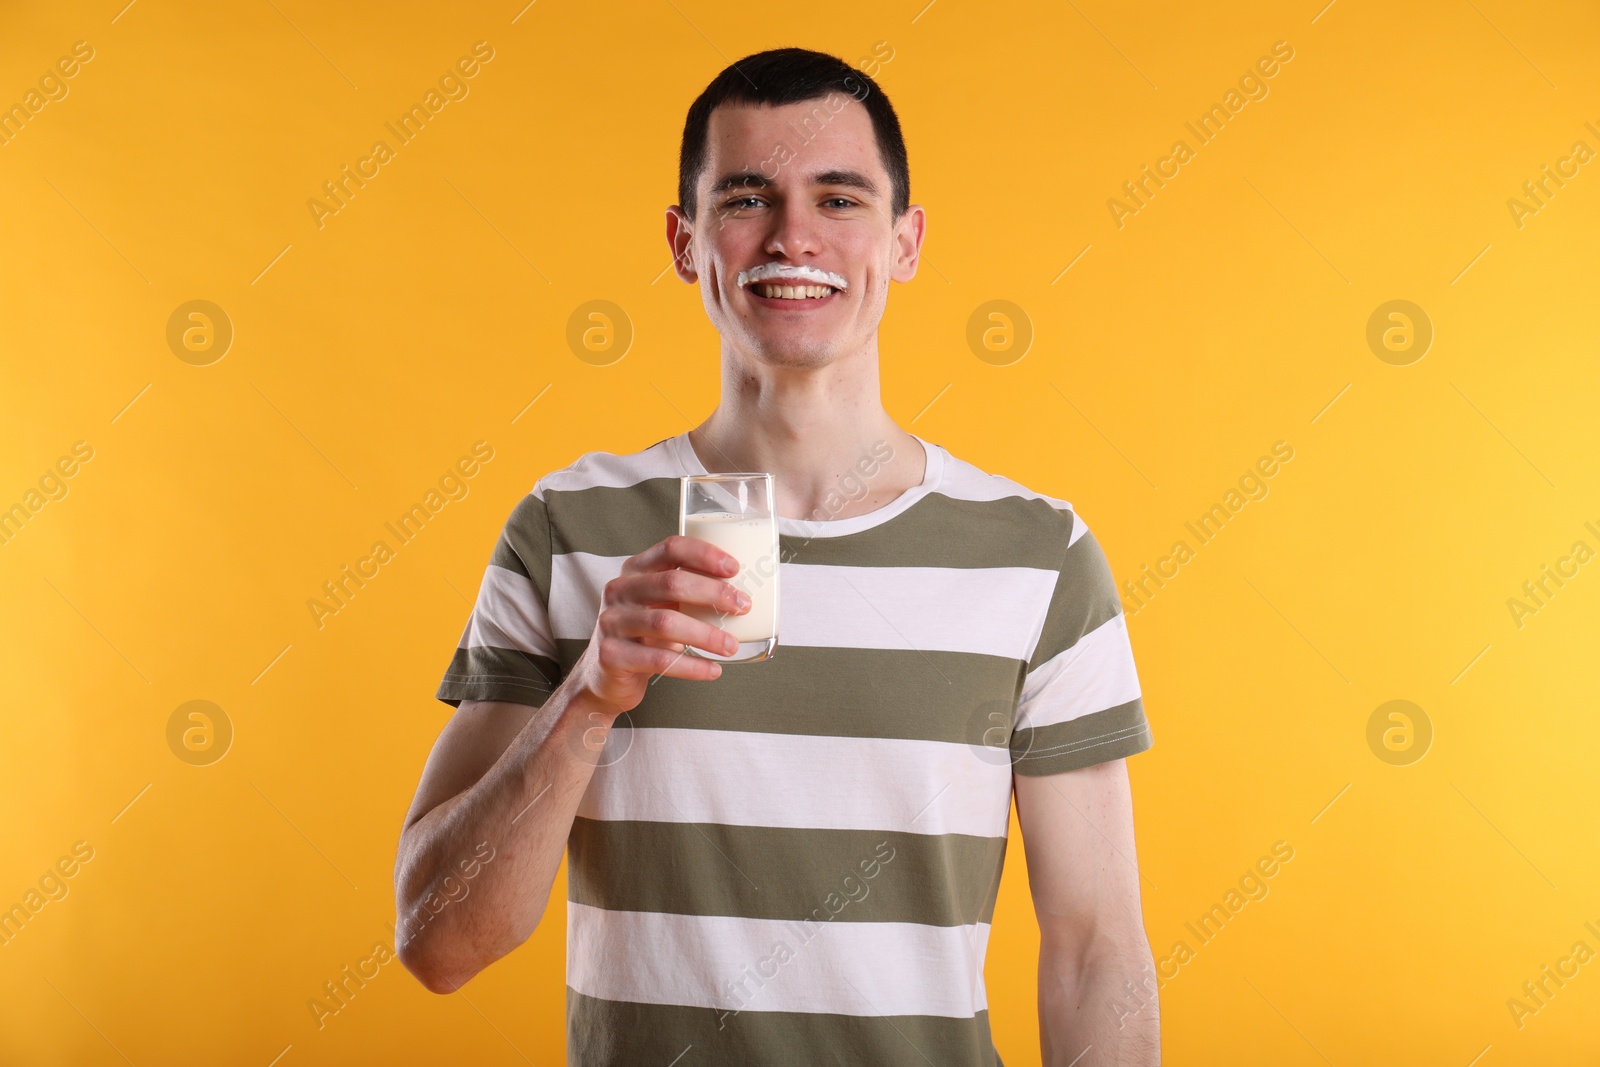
(1081, 703)
(508, 650)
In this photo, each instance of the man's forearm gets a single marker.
(450, 926)
(1098, 1003)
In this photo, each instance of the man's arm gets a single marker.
(498, 794)
(1077, 829)
(485, 834)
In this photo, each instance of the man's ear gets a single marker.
(680, 239)
(909, 231)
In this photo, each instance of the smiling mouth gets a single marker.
(787, 281)
(773, 291)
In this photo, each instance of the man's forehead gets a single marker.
(825, 141)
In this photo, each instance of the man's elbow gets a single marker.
(421, 955)
(436, 984)
(415, 958)
(443, 963)
(434, 977)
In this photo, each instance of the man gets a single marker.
(792, 861)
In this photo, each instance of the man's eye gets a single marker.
(840, 200)
(745, 201)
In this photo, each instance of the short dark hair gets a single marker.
(789, 76)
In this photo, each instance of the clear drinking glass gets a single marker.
(737, 513)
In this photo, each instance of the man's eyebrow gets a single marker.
(749, 179)
(849, 178)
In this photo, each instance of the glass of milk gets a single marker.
(738, 514)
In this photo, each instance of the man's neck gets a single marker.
(822, 432)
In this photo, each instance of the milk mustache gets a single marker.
(752, 541)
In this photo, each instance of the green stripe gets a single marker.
(1090, 739)
(943, 531)
(609, 521)
(785, 873)
(524, 545)
(937, 531)
(483, 673)
(505, 556)
(1085, 597)
(960, 697)
(611, 1033)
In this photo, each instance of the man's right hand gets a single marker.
(640, 631)
(496, 762)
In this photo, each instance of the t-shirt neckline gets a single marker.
(689, 462)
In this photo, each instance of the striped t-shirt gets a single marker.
(797, 862)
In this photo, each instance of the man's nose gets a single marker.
(794, 234)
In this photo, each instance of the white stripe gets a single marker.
(595, 469)
(1094, 674)
(964, 481)
(996, 611)
(840, 967)
(577, 580)
(509, 614)
(743, 778)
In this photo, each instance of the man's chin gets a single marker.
(795, 354)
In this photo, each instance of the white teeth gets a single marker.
(793, 292)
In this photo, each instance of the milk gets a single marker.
(753, 542)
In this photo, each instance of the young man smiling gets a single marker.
(948, 637)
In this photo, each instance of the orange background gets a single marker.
(369, 354)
